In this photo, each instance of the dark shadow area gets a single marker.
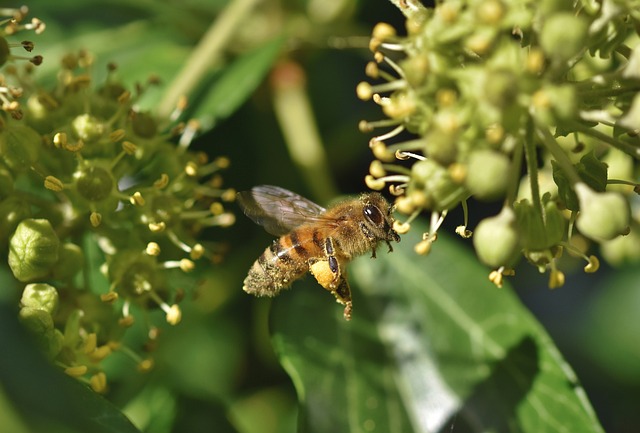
(46, 399)
(493, 404)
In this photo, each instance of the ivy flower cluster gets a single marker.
(86, 178)
(490, 89)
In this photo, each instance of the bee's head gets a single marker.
(377, 215)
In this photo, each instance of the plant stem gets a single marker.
(206, 53)
(620, 145)
(532, 168)
(409, 8)
(298, 124)
(558, 154)
(514, 181)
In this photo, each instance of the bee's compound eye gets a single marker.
(373, 214)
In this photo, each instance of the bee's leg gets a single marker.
(332, 261)
(389, 245)
(343, 296)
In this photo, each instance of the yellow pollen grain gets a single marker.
(372, 70)
(53, 183)
(374, 44)
(196, 252)
(383, 31)
(187, 265)
(365, 126)
(145, 365)
(556, 279)
(457, 172)
(191, 169)
(74, 147)
(76, 370)
(376, 169)
(129, 147)
(423, 247)
(136, 199)
(373, 183)
(98, 382)
(496, 278)
(153, 249)
(95, 219)
(364, 91)
(380, 151)
(405, 205)
(126, 321)
(100, 353)
(593, 266)
(157, 227)
(162, 182)
(90, 343)
(401, 228)
(541, 99)
(229, 195)
(60, 140)
(174, 315)
(117, 135)
(535, 61)
(463, 232)
(216, 208)
(222, 162)
(109, 297)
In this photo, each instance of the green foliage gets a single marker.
(433, 345)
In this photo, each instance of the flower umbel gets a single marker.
(83, 172)
(489, 87)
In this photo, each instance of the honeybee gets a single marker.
(313, 239)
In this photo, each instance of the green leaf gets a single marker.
(612, 317)
(236, 83)
(432, 345)
(42, 396)
(591, 170)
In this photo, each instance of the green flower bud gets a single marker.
(94, 182)
(6, 183)
(565, 102)
(144, 125)
(563, 35)
(623, 249)
(500, 88)
(435, 183)
(416, 68)
(12, 211)
(19, 147)
(40, 296)
(134, 272)
(553, 104)
(87, 128)
(37, 320)
(70, 262)
(55, 341)
(487, 174)
(496, 239)
(33, 249)
(40, 323)
(602, 216)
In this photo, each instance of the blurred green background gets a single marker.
(217, 370)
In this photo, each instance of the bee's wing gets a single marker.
(277, 209)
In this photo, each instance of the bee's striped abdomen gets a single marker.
(278, 266)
